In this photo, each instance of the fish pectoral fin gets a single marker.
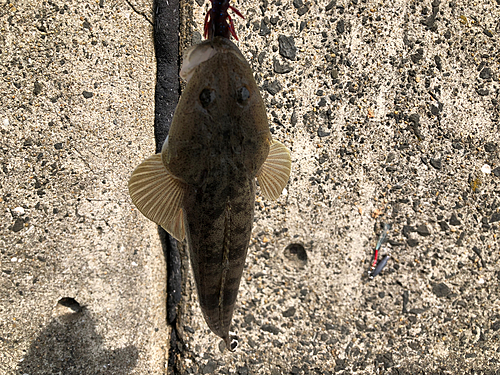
(275, 172)
(176, 226)
(158, 195)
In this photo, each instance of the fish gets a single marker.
(201, 187)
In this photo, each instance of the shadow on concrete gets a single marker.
(70, 345)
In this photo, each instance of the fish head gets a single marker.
(220, 113)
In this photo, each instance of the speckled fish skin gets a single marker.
(202, 185)
(218, 141)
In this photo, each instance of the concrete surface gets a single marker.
(82, 276)
(391, 112)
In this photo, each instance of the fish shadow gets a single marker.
(70, 345)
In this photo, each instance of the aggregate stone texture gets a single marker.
(391, 112)
(82, 274)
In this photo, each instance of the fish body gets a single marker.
(202, 185)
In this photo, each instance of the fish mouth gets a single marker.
(199, 53)
(193, 57)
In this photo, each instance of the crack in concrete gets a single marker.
(167, 92)
(138, 12)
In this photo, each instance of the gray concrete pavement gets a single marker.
(391, 111)
(76, 116)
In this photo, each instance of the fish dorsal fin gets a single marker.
(274, 173)
(158, 195)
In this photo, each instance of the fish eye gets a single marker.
(207, 96)
(242, 95)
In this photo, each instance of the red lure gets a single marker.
(216, 20)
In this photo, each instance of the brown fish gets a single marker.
(202, 185)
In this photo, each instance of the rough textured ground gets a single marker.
(391, 112)
(82, 276)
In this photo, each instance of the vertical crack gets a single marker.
(167, 92)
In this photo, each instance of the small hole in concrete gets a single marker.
(296, 253)
(70, 303)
